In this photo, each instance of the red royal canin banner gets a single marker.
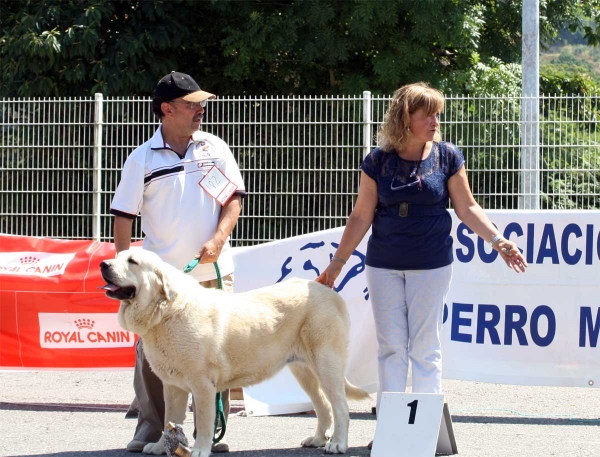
(52, 314)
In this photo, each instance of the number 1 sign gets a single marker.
(409, 425)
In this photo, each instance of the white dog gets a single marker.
(204, 341)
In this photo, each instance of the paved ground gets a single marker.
(73, 414)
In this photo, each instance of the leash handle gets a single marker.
(194, 263)
(191, 265)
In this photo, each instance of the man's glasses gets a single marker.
(192, 105)
(416, 181)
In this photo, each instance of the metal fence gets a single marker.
(60, 159)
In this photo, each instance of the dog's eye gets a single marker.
(133, 261)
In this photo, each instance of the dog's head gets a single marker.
(139, 279)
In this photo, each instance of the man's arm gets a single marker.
(230, 213)
(122, 232)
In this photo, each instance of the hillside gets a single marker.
(570, 55)
(576, 56)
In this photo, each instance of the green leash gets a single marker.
(220, 417)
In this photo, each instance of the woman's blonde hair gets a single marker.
(394, 131)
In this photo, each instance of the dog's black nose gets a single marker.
(104, 265)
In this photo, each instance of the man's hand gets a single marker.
(210, 252)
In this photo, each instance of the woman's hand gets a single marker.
(330, 273)
(511, 255)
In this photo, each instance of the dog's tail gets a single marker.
(355, 393)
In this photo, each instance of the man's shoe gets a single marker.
(136, 446)
(220, 447)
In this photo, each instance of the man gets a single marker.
(187, 187)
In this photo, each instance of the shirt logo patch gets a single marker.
(203, 149)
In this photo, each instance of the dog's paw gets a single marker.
(199, 453)
(314, 441)
(155, 448)
(335, 448)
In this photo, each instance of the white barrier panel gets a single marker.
(535, 328)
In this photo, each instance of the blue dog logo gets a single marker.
(308, 265)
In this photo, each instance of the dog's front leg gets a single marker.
(205, 412)
(176, 401)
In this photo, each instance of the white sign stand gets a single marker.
(413, 425)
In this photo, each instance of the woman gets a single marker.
(404, 190)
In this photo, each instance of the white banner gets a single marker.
(535, 328)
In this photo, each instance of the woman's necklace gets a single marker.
(416, 180)
(417, 165)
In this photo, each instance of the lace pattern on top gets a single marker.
(390, 172)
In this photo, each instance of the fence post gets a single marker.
(97, 167)
(367, 121)
(529, 197)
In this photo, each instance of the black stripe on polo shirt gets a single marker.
(163, 172)
(117, 212)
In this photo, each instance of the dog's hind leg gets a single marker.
(309, 382)
(175, 408)
(330, 368)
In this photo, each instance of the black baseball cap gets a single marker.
(176, 85)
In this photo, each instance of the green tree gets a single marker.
(78, 47)
(330, 46)
(122, 47)
(345, 47)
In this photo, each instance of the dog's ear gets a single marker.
(165, 284)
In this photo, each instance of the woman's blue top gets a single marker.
(411, 227)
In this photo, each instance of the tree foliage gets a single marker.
(122, 47)
(77, 48)
(567, 79)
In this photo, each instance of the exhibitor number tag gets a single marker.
(218, 185)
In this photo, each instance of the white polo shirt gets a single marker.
(178, 215)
